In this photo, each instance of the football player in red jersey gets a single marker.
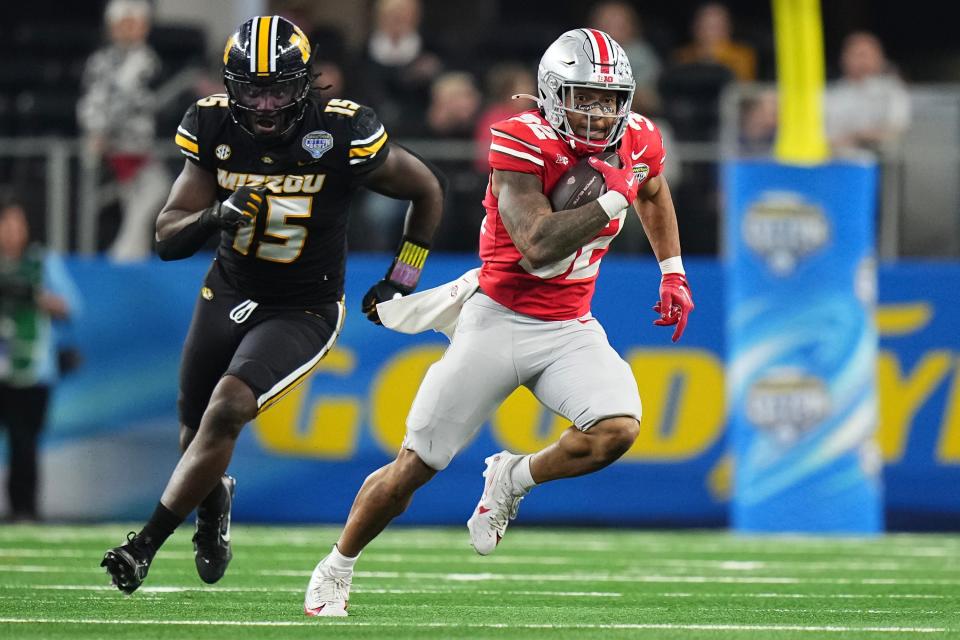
(528, 321)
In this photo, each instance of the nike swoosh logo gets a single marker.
(636, 156)
(481, 510)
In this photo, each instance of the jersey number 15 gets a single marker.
(286, 240)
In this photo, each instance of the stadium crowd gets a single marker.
(437, 74)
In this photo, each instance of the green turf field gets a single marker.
(540, 583)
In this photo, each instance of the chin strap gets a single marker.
(527, 96)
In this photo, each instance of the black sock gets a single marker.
(213, 504)
(161, 524)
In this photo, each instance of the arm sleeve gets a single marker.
(187, 138)
(369, 142)
(514, 146)
(648, 153)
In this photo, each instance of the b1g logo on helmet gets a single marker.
(317, 143)
(783, 228)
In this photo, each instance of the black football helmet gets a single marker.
(266, 70)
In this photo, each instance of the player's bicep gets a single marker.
(402, 176)
(521, 201)
(194, 189)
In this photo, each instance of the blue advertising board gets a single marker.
(802, 347)
(111, 440)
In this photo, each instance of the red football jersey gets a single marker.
(561, 291)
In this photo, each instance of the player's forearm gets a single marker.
(180, 234)
(659, 220)
(423, 216)
(555, 235)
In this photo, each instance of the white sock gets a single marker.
(520, 475)
(341, 562)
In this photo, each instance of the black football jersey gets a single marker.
(294, 253)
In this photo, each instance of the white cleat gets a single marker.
(498, 504)
(328, 592)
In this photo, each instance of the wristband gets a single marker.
(672, 265)
(408, 265)
(612, 203)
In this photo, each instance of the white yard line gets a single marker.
(606, 577)
(459, 625)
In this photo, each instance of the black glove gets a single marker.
(237, 211)
(380, 292)
(401, 278)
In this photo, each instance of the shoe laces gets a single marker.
(507, 506)
(331, 587)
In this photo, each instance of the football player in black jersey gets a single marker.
(272, 169)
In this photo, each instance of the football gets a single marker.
(581, 183)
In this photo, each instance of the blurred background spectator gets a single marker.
(868, 107)
(503, 81)
(712, 32)
(117, 113)
(454, 104)
(35, 288)
(621, 21)
(399, 65)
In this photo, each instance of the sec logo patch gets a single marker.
(223, 152)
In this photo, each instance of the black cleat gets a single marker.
(211, 542)
(127, 565)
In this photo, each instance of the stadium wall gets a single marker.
(112, 436)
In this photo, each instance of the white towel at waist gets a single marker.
(437, 308)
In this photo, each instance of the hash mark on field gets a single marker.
(473, 625)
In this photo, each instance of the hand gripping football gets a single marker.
(581, 183)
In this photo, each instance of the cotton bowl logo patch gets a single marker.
(222, 152)
(641, 171)
(783, 228)
(787, 404)
(317, 143)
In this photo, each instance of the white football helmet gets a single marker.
(584, 58)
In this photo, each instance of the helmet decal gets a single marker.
(266, 70)
(585, 59)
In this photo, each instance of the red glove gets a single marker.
(675, 304)
(623, 181)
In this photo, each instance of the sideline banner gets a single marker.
(802, 347)
(111, 440)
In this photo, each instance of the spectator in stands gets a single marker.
(868, 107)
(758, 124)
(34, 288)
(621, 21)
(454, 104)
(712, 42)
(399, 66)
(117, 115)
(503, 81)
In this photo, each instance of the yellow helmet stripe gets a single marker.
(263, 45)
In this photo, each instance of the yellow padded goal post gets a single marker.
(800, 81)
